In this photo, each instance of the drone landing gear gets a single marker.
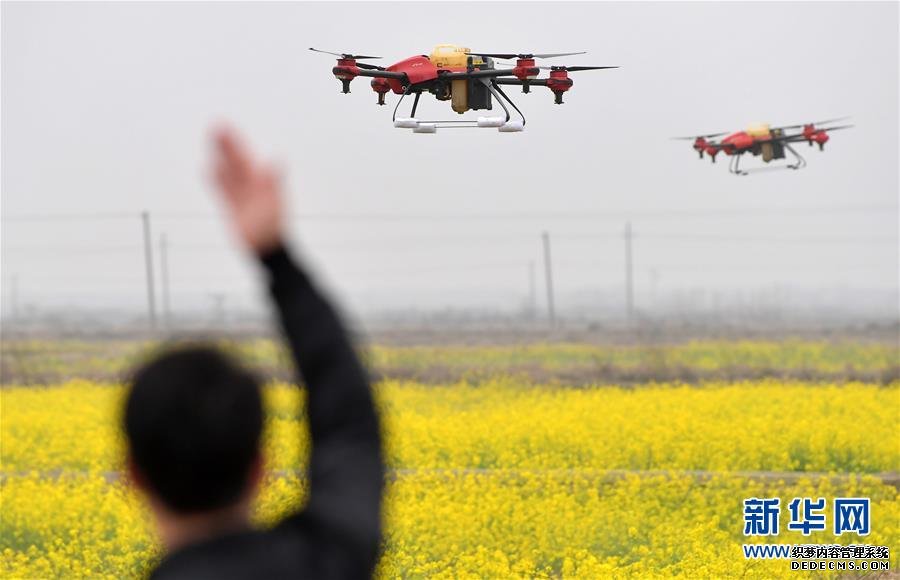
(800, 161)
(502, 124)
(734, 164)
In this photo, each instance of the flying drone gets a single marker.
(769, 142)
(471, 81)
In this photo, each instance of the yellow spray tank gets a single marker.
(758, 130)
(451, 56)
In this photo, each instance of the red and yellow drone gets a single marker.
(469, 80)
(768, 142)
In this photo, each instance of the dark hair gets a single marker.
(193, 420)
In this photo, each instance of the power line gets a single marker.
(507, 215)
(39, 217)
(730, 266)
(63, 249)
(365, 244)
(555, 214)
(772, 239)
(135, 280)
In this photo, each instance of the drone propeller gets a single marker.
(369, 66)
(799, 137)
(825, 122)
(344, 55)
(695, 137)
(835, 128)
(509, 55)
(574, 68)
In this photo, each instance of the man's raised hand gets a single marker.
(251, 192)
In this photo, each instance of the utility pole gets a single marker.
(148, 263)
(164, 273)
(548, 270)
(14, 297)
(629, 275)
(218, 299)
(532, 295)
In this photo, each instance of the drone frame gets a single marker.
(413, 81)
(734, 149)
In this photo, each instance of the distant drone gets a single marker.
(469, 80)
(770, 142)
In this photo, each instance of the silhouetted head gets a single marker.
(193, 421)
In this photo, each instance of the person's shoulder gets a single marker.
(277, 553)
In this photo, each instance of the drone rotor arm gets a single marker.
(517, 82)
(478, 74)
(383, 74)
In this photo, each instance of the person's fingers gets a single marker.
(230, 187)
(223, 170)
(233, 153)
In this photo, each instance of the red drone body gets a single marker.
(418, 69)
(469, 80)
(769, 143)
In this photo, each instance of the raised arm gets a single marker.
(346, 471)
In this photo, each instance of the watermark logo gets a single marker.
(807, 515)
(851, 515)
(761, 516)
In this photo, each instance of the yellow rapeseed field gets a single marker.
(494, 480)
(502, 424)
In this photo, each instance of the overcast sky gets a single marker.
(106, 110)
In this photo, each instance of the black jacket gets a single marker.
(338, 533)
